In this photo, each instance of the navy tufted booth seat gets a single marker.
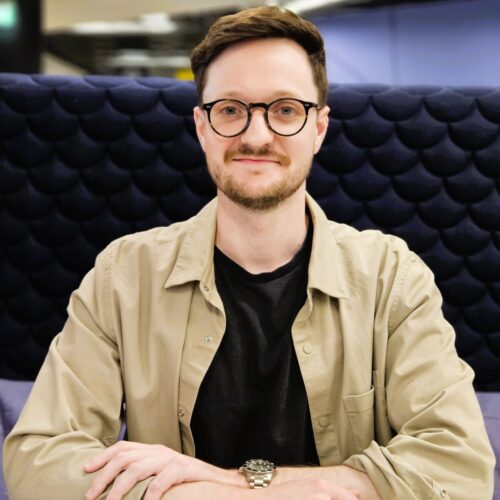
(86, 160)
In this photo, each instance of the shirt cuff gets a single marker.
(393, 477)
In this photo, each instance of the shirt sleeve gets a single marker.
(439, 448)
(74, 409)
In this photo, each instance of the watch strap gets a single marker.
(259, 481)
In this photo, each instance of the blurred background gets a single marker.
(455, 42)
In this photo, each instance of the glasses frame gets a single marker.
(308, 105)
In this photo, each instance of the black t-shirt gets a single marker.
(252, 402)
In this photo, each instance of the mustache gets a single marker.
(264, 152)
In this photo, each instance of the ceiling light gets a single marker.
(8, 15)
(158, 24)
(300, 6)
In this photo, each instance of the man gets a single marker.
(257, 329)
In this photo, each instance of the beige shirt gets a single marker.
(386, 390)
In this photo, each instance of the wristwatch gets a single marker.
(259, 473)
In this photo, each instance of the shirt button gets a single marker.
(324, 421)
(181, 412)
(205, 287)
(442, 493)
(307, 348)
(208, 339)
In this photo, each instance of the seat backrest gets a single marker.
(86, 160)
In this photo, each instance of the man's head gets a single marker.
(260, 157)
(258, 23)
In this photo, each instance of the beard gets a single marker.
(269, 197)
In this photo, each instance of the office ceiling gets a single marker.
(59, 14)
(152, 36)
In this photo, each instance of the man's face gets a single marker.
(259, 169)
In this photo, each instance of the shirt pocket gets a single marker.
(360, 413)
(383, 431)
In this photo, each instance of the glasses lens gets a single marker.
(228, 117)
(286, 116)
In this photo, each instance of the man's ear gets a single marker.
(201, 125)
(321, 127)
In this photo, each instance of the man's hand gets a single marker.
(340, 475)
(126, 463)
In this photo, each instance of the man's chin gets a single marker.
(258, 202)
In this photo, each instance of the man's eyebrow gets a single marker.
(271, 97)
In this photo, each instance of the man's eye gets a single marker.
(285, 111)
(229, 110)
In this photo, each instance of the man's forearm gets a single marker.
(341, 475)
(290, 483)
(202, 490)
(344, 476)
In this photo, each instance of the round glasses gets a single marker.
(286, 116)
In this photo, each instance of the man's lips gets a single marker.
(256, 158)
(256, 161)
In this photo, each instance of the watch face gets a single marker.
(258, 466)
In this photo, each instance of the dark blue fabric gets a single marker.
(85, 160)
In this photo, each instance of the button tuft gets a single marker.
(324, 421)
(307, 348)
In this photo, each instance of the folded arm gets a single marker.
(74, 409)
(437, 442)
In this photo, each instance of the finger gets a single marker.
(105, 456)
(339, 493)
(95, 463)
(167, 478)
(119, 462)
(130, 477)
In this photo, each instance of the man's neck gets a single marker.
(261, 241)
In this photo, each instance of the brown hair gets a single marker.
(261, 22)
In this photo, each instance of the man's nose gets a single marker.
(257, 133)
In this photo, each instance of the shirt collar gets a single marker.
(196, 253)
(327, 269)
(194, 261)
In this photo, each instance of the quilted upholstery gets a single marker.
(85, 160)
